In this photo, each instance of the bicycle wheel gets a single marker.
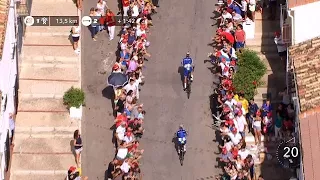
(188, 88)
(181, 155)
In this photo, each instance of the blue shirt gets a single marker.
(253, 108)
(181, 133)
(187, 60)
(235, 8)
(124, 56)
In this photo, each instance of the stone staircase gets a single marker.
(263, 43)
(274, 82)
(48, 67)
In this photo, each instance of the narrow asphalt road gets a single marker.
(180, 26)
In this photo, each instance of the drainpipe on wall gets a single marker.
(292, 26)
(292, 43)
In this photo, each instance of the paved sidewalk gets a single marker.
(49, 67)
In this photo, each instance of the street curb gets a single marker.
(46, 34)
(46, 65)
(45, 136)
(40, 129)
(39, 172)
(60, 59)
(52, 96)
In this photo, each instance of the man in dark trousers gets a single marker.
(155, 2)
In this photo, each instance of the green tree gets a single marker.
(249, 73)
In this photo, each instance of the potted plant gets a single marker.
(74, 99)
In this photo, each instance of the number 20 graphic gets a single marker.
(291, 152)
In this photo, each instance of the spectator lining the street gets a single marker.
(235, 114)
(130, 114)
(77, 143)
(75, 33)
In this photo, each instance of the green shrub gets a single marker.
(249, 74)
(74, 97)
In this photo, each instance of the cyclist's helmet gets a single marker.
(180, 126)
(188, 54)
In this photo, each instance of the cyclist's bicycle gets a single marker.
(181, 151)
(189, 82)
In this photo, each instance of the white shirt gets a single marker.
(244, 6)
(257, 123)
(125, 167)
(102, 7)
(244, 154)
(135, 11)
(76, 31)
(252, 2)
(224, 73)
(122, 153)
(120, 132)
(231, 103)
(228, 145)
(226, 16)
(139, 32)
(242, 122)
(133, 87)
(280, 45)
(235, 139)
(237, 17)
(11, 124)
(123, 46)
(128, 139)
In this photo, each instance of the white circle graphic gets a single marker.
(29, 20)
(86, 20)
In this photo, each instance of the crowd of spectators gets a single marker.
(129, 112)
(236, 116)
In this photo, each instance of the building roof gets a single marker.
(306, 61)
(4, 9)
(310, 139)
(296, 3)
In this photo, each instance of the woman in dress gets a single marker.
(77, 143)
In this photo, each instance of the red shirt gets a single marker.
(125, 3)
(240, 35)
(133, 147)
(228, 36)
(110, 20)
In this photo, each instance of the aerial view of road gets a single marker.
(179, 26)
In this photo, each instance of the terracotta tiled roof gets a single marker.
(306, 61)
(4, 9)
(296, 3)
(310, 139)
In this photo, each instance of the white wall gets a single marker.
(306, 22)
(8, 74)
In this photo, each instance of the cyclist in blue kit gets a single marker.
(182, 137)
(187, 64)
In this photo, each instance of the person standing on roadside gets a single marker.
(101, 6)
(155, 3)
(12, 127)
(94, 27)
(75, 33)
(77, 142)
(111, 23)
(125, 7)
(113, 170)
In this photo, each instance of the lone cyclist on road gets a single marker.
(187, 64)
(182, 137)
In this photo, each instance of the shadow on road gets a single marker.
(175, 141)
(108, 93)
(180, 71)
